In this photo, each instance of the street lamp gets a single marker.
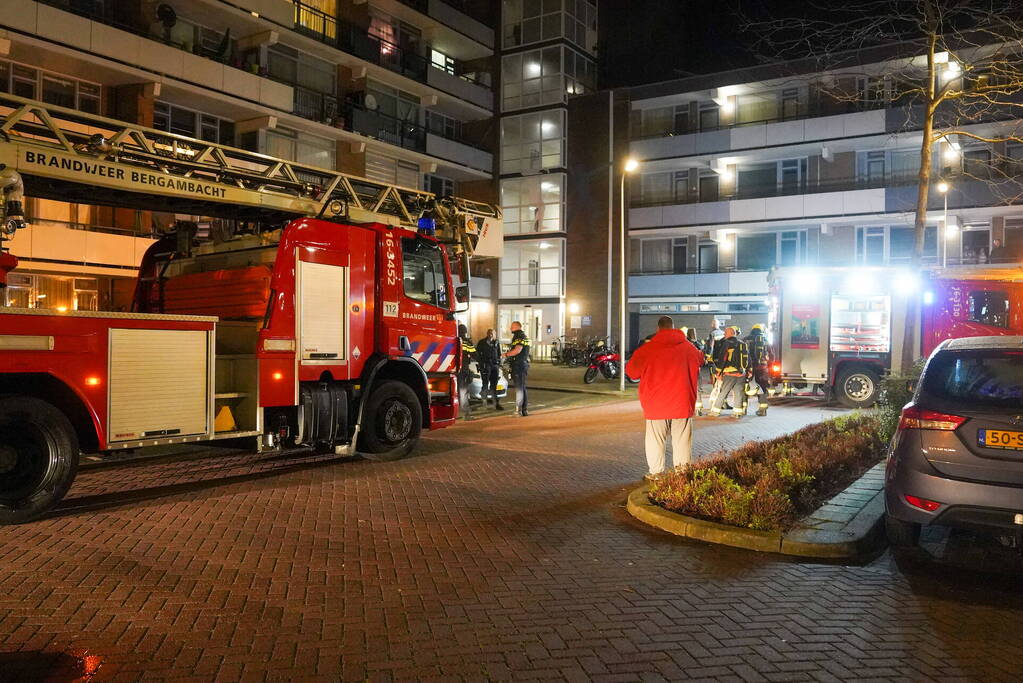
(943, 187)
(628, 167)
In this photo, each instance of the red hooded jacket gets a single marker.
(668, 367)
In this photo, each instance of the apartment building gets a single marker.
(744, 171)
(548, 57)
(398, 91)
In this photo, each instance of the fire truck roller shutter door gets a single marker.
(323, 312)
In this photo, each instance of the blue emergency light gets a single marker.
(427, 226)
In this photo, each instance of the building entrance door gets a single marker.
(531, 319)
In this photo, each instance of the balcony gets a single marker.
(383, 127)
(810, 128)
(698, 284)
(358, 42)
(466, 88)
(459, 152)
(316, 106)
(94, 26)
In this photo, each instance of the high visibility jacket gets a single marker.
(468, 354)
(520, 360)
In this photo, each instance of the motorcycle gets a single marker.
(604, 360)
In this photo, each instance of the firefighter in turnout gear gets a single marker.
(465, 371)
(760, 361)
(731, 360)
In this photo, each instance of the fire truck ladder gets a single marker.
(72, 156)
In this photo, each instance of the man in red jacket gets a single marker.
(668, 367)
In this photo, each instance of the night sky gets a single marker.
(644, 41)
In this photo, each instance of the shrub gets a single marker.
(769, 485)
(895, 393)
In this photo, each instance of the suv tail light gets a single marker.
(919, 418)
(922, 503)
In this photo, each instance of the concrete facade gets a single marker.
(394, 91)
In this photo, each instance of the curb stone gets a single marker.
(861, 534)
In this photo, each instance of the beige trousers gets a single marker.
(657, 432)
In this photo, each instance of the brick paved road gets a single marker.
(494, 554)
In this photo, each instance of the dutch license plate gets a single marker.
(997, 438)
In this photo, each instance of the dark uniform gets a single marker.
(519, 370)
(760, 362)
(488, 355)
(465, 372)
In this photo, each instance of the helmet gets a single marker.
(759, 326)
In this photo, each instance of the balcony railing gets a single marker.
(315, 106)
(819, 109)
(384, 127)
(421, 6)
(765, 191)
(356, 41)
(482, 13)
(213, 45)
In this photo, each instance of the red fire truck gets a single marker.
(839, 330)
(311, 310)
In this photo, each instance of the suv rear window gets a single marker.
(989, 378)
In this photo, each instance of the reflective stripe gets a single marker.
(25, 342)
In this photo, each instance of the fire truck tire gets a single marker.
(392, 422)
(38, 458)
(857, 387)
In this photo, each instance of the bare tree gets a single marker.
(954, 67)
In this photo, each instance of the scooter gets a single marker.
(604, 360)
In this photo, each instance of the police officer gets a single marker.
(465, 372)
(518, 356)
(488, 355)
(731, 358)
(760, 361)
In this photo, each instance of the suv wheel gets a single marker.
(901, 534)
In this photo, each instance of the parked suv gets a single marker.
(957, 457)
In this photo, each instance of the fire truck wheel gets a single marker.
(857, 387)
(392, 424)
(38, 458)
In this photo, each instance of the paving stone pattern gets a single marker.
(500, 552)
(836, 514)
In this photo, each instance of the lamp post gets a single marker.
(943, 187)
(628, 167)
